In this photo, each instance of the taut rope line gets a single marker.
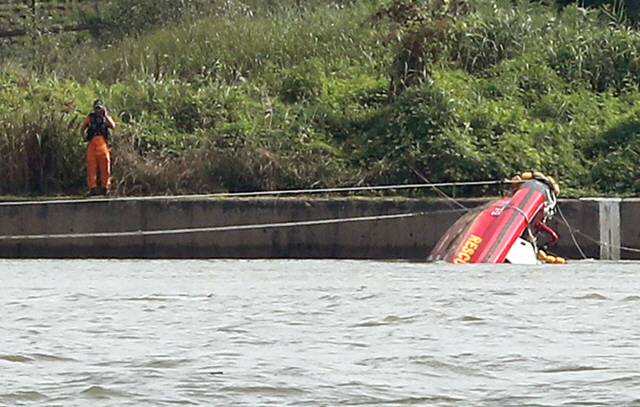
(258, 193)
(220, 228)
(573, 230)
(235, 195)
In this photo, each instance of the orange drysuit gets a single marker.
(98, 155)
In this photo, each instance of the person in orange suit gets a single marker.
(96, 127)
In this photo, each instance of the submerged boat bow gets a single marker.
(506, 229)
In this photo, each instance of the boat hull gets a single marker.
(487, 234)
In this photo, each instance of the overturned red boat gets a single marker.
(507, 229)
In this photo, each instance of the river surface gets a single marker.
(318, 333)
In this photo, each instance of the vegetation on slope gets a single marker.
(306, 94)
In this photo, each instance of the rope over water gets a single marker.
(235, 195)
(223, 228)
(240, 195)
(275, 193)
(261, 193)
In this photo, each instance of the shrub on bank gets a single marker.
(295, 97)
(40, 145)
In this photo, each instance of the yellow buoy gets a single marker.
(550, 259)
(526, 175)
(554, 183)
(561, 260)
(541, 255)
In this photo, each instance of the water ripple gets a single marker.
(317, 333)
(592, 296)
(566, 369)
(99, 392)
(21, 397)
(16, 358)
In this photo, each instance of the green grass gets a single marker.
(245, 97)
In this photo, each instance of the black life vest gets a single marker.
(97, 127)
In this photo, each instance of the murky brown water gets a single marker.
(317, 333)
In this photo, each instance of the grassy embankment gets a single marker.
(362, 94)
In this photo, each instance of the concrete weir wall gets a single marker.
(291, 228)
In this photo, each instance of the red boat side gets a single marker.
(486, 235)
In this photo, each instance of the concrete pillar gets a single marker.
(609, 226)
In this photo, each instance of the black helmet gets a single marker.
(98, 104)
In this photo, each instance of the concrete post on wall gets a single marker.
(609, 227)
